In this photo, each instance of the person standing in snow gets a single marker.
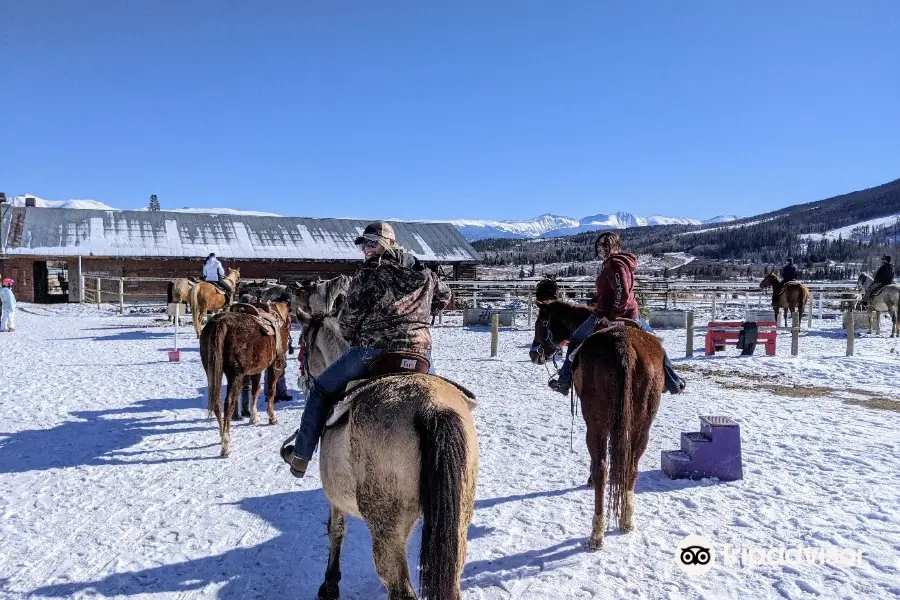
(613, 299)
(8, 309)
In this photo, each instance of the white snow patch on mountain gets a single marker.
(855, 231)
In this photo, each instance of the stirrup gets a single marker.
(558, 386)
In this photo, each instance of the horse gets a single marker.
(317, 296)
(178, 291)
(789, 296)
(546, 289)
(407, 448)
(887, 300)
(205, 297)
(438, 307)
(619, 379)
(233, 344)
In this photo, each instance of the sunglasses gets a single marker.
(370, 244)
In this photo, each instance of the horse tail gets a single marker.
(195, 307)
(214, 370)
(621, 465)
(444, 454)
(169, 287)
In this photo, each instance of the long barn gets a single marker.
(43, 248)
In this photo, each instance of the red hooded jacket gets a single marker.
(614, 297)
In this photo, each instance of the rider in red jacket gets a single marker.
(614, 299)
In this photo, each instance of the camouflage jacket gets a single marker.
(388, 305)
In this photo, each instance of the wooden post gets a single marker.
(81, 288)
(713, 306)
(475, 297)
(850, 331)
(689, 325)
(795, 333)
(810, 324)
(98, 293)
(495, 334)
(529, 308)
(122, 297)
(821, 314)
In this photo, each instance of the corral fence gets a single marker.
(714, 299)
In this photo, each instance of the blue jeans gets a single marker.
(353, 364)
(587, 328)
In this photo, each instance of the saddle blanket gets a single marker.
(342, 406)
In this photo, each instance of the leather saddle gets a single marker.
(390, 364)
(269, 324)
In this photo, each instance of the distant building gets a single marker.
(37, 244)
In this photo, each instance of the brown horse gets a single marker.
(207, 298)
(406, 449)
(234, 344)
(619, 378)
(789, 296)
(178, 291)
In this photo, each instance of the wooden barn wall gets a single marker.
(20, 268)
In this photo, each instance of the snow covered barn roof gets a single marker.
(70, 232)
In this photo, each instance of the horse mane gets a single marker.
(570, 314)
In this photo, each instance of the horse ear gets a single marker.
(338, 304)
(544, 303)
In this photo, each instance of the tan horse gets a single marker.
(207, 298)
(619, 378)
(179, 291)
(407, 449)
(789, 296)
(233, 344)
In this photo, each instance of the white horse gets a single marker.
(887, 300)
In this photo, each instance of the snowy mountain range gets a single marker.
(543, 226)
(558, 226)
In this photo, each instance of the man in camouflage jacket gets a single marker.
(387, 309)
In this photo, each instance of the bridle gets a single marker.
(538, 347)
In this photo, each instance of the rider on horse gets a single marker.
(883, 277)
(214, 273)
(789, 272)
(387, 310)
(613, 299)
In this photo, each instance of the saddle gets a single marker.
(391, 364)
(614, 324)
(269, 324)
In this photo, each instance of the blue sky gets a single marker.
(467, 109)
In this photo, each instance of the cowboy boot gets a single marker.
(298, 465)
(562, 383)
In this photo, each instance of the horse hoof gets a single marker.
(590, 482)
(273, 421)
(225, 453)
(328, 591)
(595, 544)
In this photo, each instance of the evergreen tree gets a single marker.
(154, 203)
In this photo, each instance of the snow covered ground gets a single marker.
(110, 484)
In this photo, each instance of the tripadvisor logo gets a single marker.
(695, 555)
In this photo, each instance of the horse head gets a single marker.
(551, 330)
(864, 281)
(546, 289)
(770, 280)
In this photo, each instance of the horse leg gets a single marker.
(597, 446)
(271, 385)
(234, 394)
(638, 446)
(337, 526)
(254, 395)
(390, 532)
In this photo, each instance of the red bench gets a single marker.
(721, 333)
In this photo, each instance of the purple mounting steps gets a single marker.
(712, 452)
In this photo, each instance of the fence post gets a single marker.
(122, 296)
(810, 312)
(689, 325)
(821, 309)
(795, 333)
(475, 297)
(529, 308)
(98, 293)
(714, 306)
(81, 289)
(850, 331)
(495, 333)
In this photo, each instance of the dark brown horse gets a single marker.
(789, 296)
(235, 345)
(546, 289)
(619, 378)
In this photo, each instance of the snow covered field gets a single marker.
(111, 487)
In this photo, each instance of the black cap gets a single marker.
(886, 258)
